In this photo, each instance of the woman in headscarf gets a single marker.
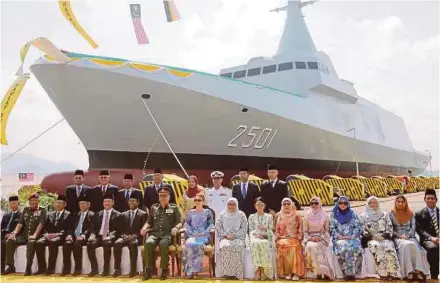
(412, 257)
(231, 228)
(316, 242)
(290, 259)
(377, 236)
(190, 193)
(346, 230)
(198, 224)
(261, 240)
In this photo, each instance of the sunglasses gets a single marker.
(343, 203)
(198, 200)
(314, 203)
(286, 203)
(260, 204)
(163, 195)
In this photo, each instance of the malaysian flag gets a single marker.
(137, 24)
(25, 177)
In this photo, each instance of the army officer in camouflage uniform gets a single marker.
(30, 226)
(163, 221)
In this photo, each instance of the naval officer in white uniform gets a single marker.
(217, 196)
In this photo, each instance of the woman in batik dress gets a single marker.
(290, 259)
(377, 236)
(231, 229)
(412, 257)
(261, 240)
(317, 251)
(345, 230)
(198, 224)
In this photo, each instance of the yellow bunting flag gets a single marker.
(67, 11)
(171, 11)
(8, 103)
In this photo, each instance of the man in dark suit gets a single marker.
(80, 232)
(97, 193)
(245, 192)
(427, 226)
(151, 195)
(107, 228)
(76, 191)
(123, 196)
(273, 190)
(133, 219)
(9, 222)
(55, 228)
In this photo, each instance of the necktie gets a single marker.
(273, 184)
(434, 221)
(78, 191)
(104, 188)
(57, 217)
(80, 225)
(131, 218)
(105, 232)
(10, 221)
(127, 194)
(243, 190)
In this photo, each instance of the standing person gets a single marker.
(290, 259)
(82, 227)
(134, 219)
(190, 193)
(151, 193)
(412, 257)
(98, 192)
(262, 240)
(346, 231)
(377, 237)
(164, 220)
(273, 190)
(27, 232)
(427, 226)
(245, 192)
(217, 196)
(107, 228)
(124, 195)
(316, 242)
(8, 224)
(231, 226)
(76, 191)
(55, 228)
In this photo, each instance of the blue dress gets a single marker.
(348, 252)
(196, 222)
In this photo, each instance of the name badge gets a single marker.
(222, 195)
(37, 213)
(169, 210)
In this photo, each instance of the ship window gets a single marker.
(285, 66)
(254, 72)
(228, 75)
(300, 65)
(269, 69)
(239, 74)
(312, 65)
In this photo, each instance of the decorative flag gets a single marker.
(25, 177)
(67, 12)
(171, 11)
(141, 37)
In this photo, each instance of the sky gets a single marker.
(388, 49)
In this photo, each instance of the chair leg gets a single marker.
(172, 265)
(212, 263)
(209, 268)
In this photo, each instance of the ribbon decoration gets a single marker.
(171, 11)
(67, 12)
(14, 91)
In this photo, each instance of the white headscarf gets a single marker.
(373, 214)
(231, 219)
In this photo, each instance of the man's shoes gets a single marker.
(65, 272)
(40, 272)
(147, 274)
(117, 273)
(132, 274)
(49, 272)
(28, 271)
(77, 273)
(163, 276)
(93, 273)
(9, 270)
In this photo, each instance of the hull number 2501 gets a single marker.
(253, 137)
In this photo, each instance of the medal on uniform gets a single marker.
(169, 210)
(37, 213)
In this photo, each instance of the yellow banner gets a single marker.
(8, 103)
(67, 11)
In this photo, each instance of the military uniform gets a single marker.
(216, 198)
(29, 220)
(161, 220)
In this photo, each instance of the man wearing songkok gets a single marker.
(151, 195)
(123, 196)
(98, 192)
(74, 192)
(245, 192)
(9, 222)
(273, 190)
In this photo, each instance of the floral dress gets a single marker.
(262, 249)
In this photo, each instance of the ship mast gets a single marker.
(296, 39)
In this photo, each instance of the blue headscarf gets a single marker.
(343, 216)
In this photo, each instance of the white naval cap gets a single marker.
(217, 174)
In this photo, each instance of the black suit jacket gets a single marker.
(246, 204)
(138, 222)
(424, 225)
(62, 228)
(87, 224)
(121, 202)
(96, 196)
(72, 199)
(116, 224)
(5, 220)
(274, 196)
(151, 196)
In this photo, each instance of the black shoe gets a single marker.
(93, 273)
(163, 276)
(49, 272)
(147, 274)
(40, 272)
(65, 272)
(28, 271)
(77, 273)
(9, 270)
(105, 273)
(117, 273)
(132, 274)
